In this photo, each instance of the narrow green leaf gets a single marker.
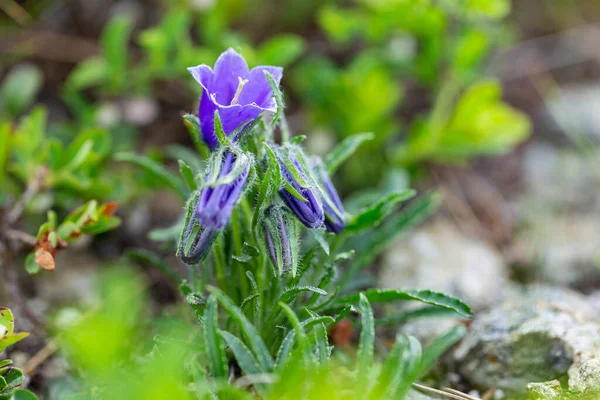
(365, 346)
(372, 216)
(250, 333)
(344, 150)
(277, 95)
(293, 318)
(291, 293)
(157, 170)
(219, 132)
(424, 296)
(411, 359)
(243, 355)
(188, 175)
(378, 239)
(216, 352)
(438, 348)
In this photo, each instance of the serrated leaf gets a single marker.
(424, 296)
(344, 150)
(291, 293)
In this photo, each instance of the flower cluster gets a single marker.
(234, 99)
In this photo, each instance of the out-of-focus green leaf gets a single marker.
(23, 394)
(114, 42)
(372, 216)
(344, 150)
(157, 170)
(281, 50)
(365, 346)
(19, 89)
(438, 347)
(5, 147)
(89, 73)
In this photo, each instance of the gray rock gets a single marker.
(564, 249)
(538, 334)
(439, 257)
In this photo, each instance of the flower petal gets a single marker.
(203, 74)
(228, 68)
(257, 90)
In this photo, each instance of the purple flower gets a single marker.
(335, 219)
(308, 209)
(240, 95)
(214, 205)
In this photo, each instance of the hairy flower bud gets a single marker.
(282, 232)
(211, 207)
(300, 193)
(335, 219)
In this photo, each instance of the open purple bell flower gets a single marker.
(240, 95)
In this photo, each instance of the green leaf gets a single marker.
(409, 315)
(219, 132)
(5, 147)
(13, 378)
(114, 41)
(323, 350)
(81, 155)
(216, 352)
(7, 325)
(250, 333)
(365, 346)
(372, 216)
(344, 150)
(23, 394)
(291, 293)
(282, 50)
(408, 372)
(91, 72)
(163, 175)
(378, 239)
(243, 355)
(277, 96)
(438, 348)
(295, 322)
(423, 296)
(188, 175)
(19, 89)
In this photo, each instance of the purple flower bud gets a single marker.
(214, 203)
(335, 219)
(240, 95)
(308, 209)
(281, 232)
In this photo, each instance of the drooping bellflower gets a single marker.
(335, 219)
(214, 203)
(302, 195)
(238, 94)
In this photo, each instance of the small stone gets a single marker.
(439, 257)
(538, 334)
